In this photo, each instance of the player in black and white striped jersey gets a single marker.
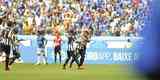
(14, 45)
(71, 49)
(5, 44)
(7, 41)
(82, 41)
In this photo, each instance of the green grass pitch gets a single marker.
(55, 72)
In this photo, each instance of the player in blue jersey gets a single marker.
(41, 42)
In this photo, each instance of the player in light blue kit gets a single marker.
(41, 42)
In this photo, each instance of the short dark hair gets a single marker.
(128, 40)
(41, 32)
(9, 23)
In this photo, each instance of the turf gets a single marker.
(54, 72)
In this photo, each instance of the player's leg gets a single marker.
(60, 57)
(3, 57)
(7, 51)
(55, 55)
(71, 63)
(82, 54)
(74, 58)
(7, 63)
(1, 50)
(68, 58)
(38, 56)
(38, 59)
(2, 53)
(44, 57)
(16, 55)
(59, 52)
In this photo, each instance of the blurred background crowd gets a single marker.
(106, 17)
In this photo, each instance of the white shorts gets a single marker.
(41, 51)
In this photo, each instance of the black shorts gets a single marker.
(16, 54)
(4, 48)
(57, 49)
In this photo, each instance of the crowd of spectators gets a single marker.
(106, 17)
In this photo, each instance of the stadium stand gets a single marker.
(106, 17)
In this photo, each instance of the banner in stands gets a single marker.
(101, 50)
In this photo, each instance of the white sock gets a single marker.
(44, 59)
(38, 59)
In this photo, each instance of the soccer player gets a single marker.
(15, 49)
(71, 49)
(81, 47)
(57, 47)
(6, 41)
(41, 41)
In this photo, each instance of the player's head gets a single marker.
(85, 32)
(57, 34)
(128, 40)
(72, 31)
(40, 33)
(10, 23)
